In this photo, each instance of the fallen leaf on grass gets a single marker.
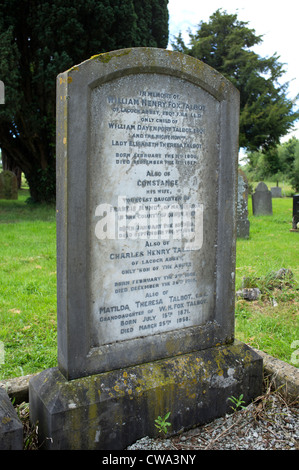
(14, 310)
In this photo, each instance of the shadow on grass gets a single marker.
(20, 210)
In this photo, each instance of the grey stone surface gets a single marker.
(276, 191)
(11, 428)
(249, 293)
(144, 126)
(243, 224)
(8, 185)
(17, 388)
(262, 200)
(284, 376)
(110, 411)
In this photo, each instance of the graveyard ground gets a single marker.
(28, 285)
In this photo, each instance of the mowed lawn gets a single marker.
(28, 285)
(271, 323)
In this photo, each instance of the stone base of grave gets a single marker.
(110, 411)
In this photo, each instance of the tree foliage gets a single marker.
(225, 43)
(38, 40)
(280, 163)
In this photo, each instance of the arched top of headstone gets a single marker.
(262, 200)
(8, 174)
(262, 187)
(111, 65)
(8, 185)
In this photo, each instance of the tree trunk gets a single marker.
(42, 183)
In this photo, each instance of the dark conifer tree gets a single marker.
(226, 44)
(39, 40)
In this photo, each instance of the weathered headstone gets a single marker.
(11, 428)
(262, 200)
(276, 191)
(295, 220)
(8, 185)
(243, 224)
(146, 252)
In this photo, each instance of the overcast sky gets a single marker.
(276, 21)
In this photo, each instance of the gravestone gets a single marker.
(11, 428)
(145, 252)
(276, 191)
(295, 220)
(8, 185)
(262, 200)
(243, 224)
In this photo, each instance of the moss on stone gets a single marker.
(113, 407)
(105, 57)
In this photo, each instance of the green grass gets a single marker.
(271, 246)
(28, 285)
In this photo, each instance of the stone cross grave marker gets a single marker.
(243, 224)
(262, 200)
(145, 249)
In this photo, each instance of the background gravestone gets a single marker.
(295, 211)
(262, 200)
(243, 224)
(276, 191)
(146, 319)
(8, 185)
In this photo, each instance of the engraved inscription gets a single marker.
(152, 198)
